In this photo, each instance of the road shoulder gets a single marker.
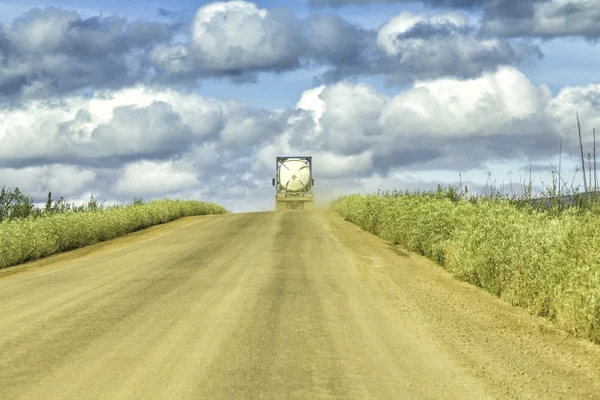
(502, 344)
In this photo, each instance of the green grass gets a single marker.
(545, 260)
(28, 233)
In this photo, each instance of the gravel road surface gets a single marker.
(271, 305)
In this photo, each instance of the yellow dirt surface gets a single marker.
(271, 305)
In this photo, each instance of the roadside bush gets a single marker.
(544, 260)
(40, 235)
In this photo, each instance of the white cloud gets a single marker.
(448, 123)
(355, 117)
(39, 180)
(158, 142)
(147, 178)
(452, 108)
(311, 101)
(126, 123)
(238, 35)
(584, 100)
(350, 117)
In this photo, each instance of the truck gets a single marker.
(293, 183)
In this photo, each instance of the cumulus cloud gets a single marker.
(440, 124)
(460, 109)
(490, 7)
(583, 99)
(350, 117)
(156, 142)
(54, 51)
(148, 178)
(421, 46)
(123, 126)
(277, 41)
(238, 35)
(140, 141)
(508, 5)
(540, 18)
(348, 49)
(39, 180)
(548, 19)
(452, 124)
(234, 38)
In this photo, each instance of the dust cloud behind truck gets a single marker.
(293, 183)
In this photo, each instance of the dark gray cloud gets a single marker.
(54, 51)
(280, 42)
(445, 46)
(432, 152)
(335, 41)
(547, 20)
(537, 139)
(49, 52)
(519, 7)
(493, 7)
(388, 158)
(515, 18)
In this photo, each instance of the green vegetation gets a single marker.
(28, 232)
(543, 258)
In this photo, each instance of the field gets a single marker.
(28, 232)
(543, 259)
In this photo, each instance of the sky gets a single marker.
(194, 100)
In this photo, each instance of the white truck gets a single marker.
(293, 183)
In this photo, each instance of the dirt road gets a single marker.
(271, 305)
